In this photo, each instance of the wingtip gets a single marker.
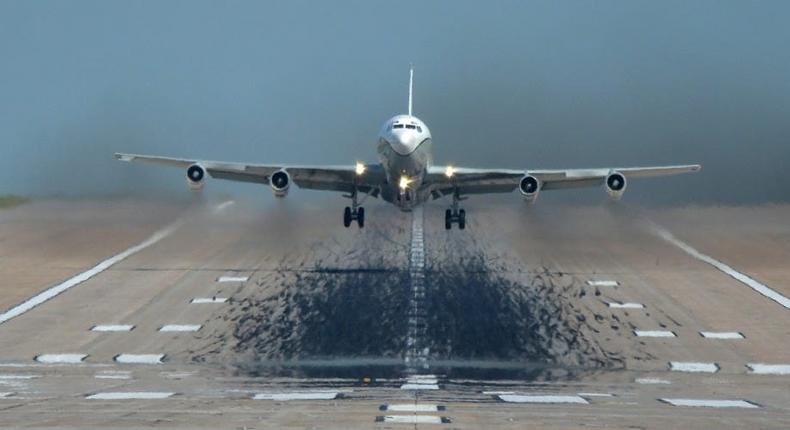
(123, 157)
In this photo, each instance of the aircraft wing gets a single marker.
(485, 181)
(330, 178)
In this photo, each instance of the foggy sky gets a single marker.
(508, 84)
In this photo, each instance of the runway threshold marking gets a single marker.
(654, 333)
(602, 283)
(207, 300)
(652, 381)
(88, 274)
(740, 277)
(413, 419)
(411, 407)
(626, 305)
(224, 279)
(711, 403)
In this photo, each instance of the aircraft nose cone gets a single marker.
(403, 143)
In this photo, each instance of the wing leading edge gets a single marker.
(485, 181)
(329, 178)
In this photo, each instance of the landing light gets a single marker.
(404, 182)
(359, 168)
(449, 172)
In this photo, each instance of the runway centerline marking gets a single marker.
(52, 292)
(308, 395)
(224, 279)
(416, 352)
(412, 419)
(180, 327)
(740, 277)
(603, 283)
(626, 305)
(205, 300)
(654, 333)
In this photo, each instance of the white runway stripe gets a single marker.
(233, 279)
(721, 334)
(180, 327)
(131, 395)
(710, 403)
(626, 306)
(112, 327)
(515, 398)
(204, 300)
(602, 283)
(312, 395)
(410, 419)
(411, 407)
(654, 333)
(742, 278)
(139, 358)
(84, 276)
(685, 366)
(769, 369)
(60, 358)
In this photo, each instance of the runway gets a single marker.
(234, 315)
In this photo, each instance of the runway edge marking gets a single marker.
(740, 277)
(52, 292)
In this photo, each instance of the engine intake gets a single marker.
(615, 185)
(529, 186)
(196, 177)
(280, 182)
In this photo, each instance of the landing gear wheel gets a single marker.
(448, 220)
(462, 219)
(361, 217)
(347, 217)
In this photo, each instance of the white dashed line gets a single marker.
(602, 283)
(312, 395)
(204, 300)
(220, 207)
(654, 333)
(515, 398)
(180, 327)
(769, 369)
(596, 394)
(412, 386)
(233, 279)
(139, 358)
(740, 277)
(694, 367)
(411, 407)
(88, 274)
(113, 374)
(113, 327)
(410, 419)
(652, 381)
(17, 377)
(721, 334)
(60, 358)
(626, 306)
(130, 395)
(710, 403)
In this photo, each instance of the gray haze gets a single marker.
(521, 85)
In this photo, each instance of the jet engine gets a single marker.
(615, 185)
(280, 182)
(529, 186)
(196, 177)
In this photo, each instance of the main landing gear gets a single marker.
(455, 215)
(354, 213)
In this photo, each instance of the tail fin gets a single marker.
(411, 82)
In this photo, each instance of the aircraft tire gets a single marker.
(361, 217)
(347, 217)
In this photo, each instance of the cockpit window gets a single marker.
(397, 126)
(411, 126)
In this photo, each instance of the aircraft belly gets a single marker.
(413, 165)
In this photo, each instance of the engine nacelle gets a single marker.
(280, 182)
(615, 185)
(529, 186)
(196, 177)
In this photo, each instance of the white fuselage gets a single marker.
(404, 149)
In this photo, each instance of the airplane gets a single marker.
(405, 175)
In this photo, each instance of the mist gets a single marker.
(507, 84)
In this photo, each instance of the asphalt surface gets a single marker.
(233, 309)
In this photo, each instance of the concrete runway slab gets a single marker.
(504, 309)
